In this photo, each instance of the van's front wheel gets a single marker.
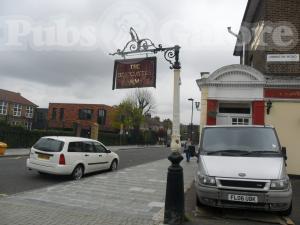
(287, 212)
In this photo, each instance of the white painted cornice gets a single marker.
(233, 75)
(282, 81)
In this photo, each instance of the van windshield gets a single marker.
(240, 140)
(49, 145)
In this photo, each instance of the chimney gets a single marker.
(204, 74)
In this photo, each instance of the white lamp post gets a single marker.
(175, 141)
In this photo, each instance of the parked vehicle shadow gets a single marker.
(63, 178)
(52, 177)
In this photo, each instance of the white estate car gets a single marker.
(70, 156)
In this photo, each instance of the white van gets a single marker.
(243, 167)
(70, 156)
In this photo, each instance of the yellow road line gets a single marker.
(3, 195)
(289, 221)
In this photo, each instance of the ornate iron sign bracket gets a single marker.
(145, 45)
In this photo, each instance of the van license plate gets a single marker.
(242, 198)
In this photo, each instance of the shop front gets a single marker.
(233, 95)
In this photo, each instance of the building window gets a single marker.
(234, 108)
(40, 116)
(240, 121)
(14, 123)
(85, 114)
(62, 114)
(28, 125)
(102, 117)
(3, 108)
(29, 112)
(53, 116)
(17, 110)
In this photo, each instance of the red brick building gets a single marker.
(15, 109)
(68, 115)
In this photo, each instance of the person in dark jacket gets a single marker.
(187, 150)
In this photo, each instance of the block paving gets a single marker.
(133, 196)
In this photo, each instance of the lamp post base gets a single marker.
(174, 203)
(175, 143)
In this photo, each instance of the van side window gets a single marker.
(99, 148)
(75, 147)
(88, 147)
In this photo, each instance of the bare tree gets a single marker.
(143, 99)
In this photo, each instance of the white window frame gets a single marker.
(29, 112)
(15, 123)
(28, 125)
(3, 108)
(17, 110)
(241, 121)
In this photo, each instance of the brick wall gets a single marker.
(275, 13)
(71, 115)
(284, 12)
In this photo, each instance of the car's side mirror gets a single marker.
(108, 151)
(284, 153)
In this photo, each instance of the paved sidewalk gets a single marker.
(25, 151)
(133, 196)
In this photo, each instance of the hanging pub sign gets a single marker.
(134, 73)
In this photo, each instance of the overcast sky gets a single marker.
(45, 68)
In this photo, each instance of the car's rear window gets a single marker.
(49, 145)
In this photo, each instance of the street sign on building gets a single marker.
(134, 73)
(283, 58)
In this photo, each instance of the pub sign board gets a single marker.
(134, 73)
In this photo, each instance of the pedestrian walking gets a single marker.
(187, 150)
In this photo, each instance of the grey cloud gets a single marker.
(86, 76)
(55, 68)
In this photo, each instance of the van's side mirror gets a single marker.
(284, 153)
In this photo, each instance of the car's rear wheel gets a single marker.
(288, 211)
(114, 165)
(78, 172)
